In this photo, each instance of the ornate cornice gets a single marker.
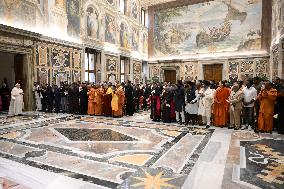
(17, 31)
(36, 36)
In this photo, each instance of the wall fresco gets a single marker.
(111, 68)
(135, 39)
(145, 43)
(56, 63)
(134, 9)
(93, 26)
(73, 16)
(215, 26)
(124, 35)
(110, 29)
(78, 21)
(137, 71)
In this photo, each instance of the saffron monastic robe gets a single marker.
(267, 100)
(221, 106)
(91, 101)
(99, 97)
(117, 102)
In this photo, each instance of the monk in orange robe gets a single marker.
(91, 100)
(267, 98)
(117, 102)
(221, 105)
(99, 97)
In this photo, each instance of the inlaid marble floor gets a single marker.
(64, 151)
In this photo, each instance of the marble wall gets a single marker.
(57, 63)
(276, 50)
(137, 71)
(277, 20)
(112, 68)
(233, 69)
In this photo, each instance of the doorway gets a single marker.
(213, 72)
(170, 76)
(11, 71)
(124, 69)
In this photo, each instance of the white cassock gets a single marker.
(38, 98)
(192, 108)
(205, 103)
(16, 104)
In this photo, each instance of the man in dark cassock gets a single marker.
(5, 95)
(166, 105)
(156, 102)
(129, 99)
(63, 97)
(147, 93)
(83, 96)
(280, 109)
(179, 100)
(57, 98)
(136, 97)
(191, 108)
(73, 99)
(44, 100)
(50, 98)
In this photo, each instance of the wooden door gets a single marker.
(213, 72)
(18, 67)
(170, 76)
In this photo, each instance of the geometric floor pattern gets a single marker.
(134, 152)
(105, 151)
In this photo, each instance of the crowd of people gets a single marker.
(255, 104)
(85, 98)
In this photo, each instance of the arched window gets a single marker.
(122, 6)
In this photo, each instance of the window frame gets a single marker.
(89, 71)
(143, 17)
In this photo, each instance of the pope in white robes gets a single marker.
(16, 104)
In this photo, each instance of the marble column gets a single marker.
(103, 68)
(28, 78)
(131, 77)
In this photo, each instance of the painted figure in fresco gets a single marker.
(135, 39)
(110, 1)
(110, 29)
(123, 36)
(92, 23)
(73, 16)
(145, 44)
(134, 10)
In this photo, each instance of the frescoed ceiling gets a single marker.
(148, 3)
